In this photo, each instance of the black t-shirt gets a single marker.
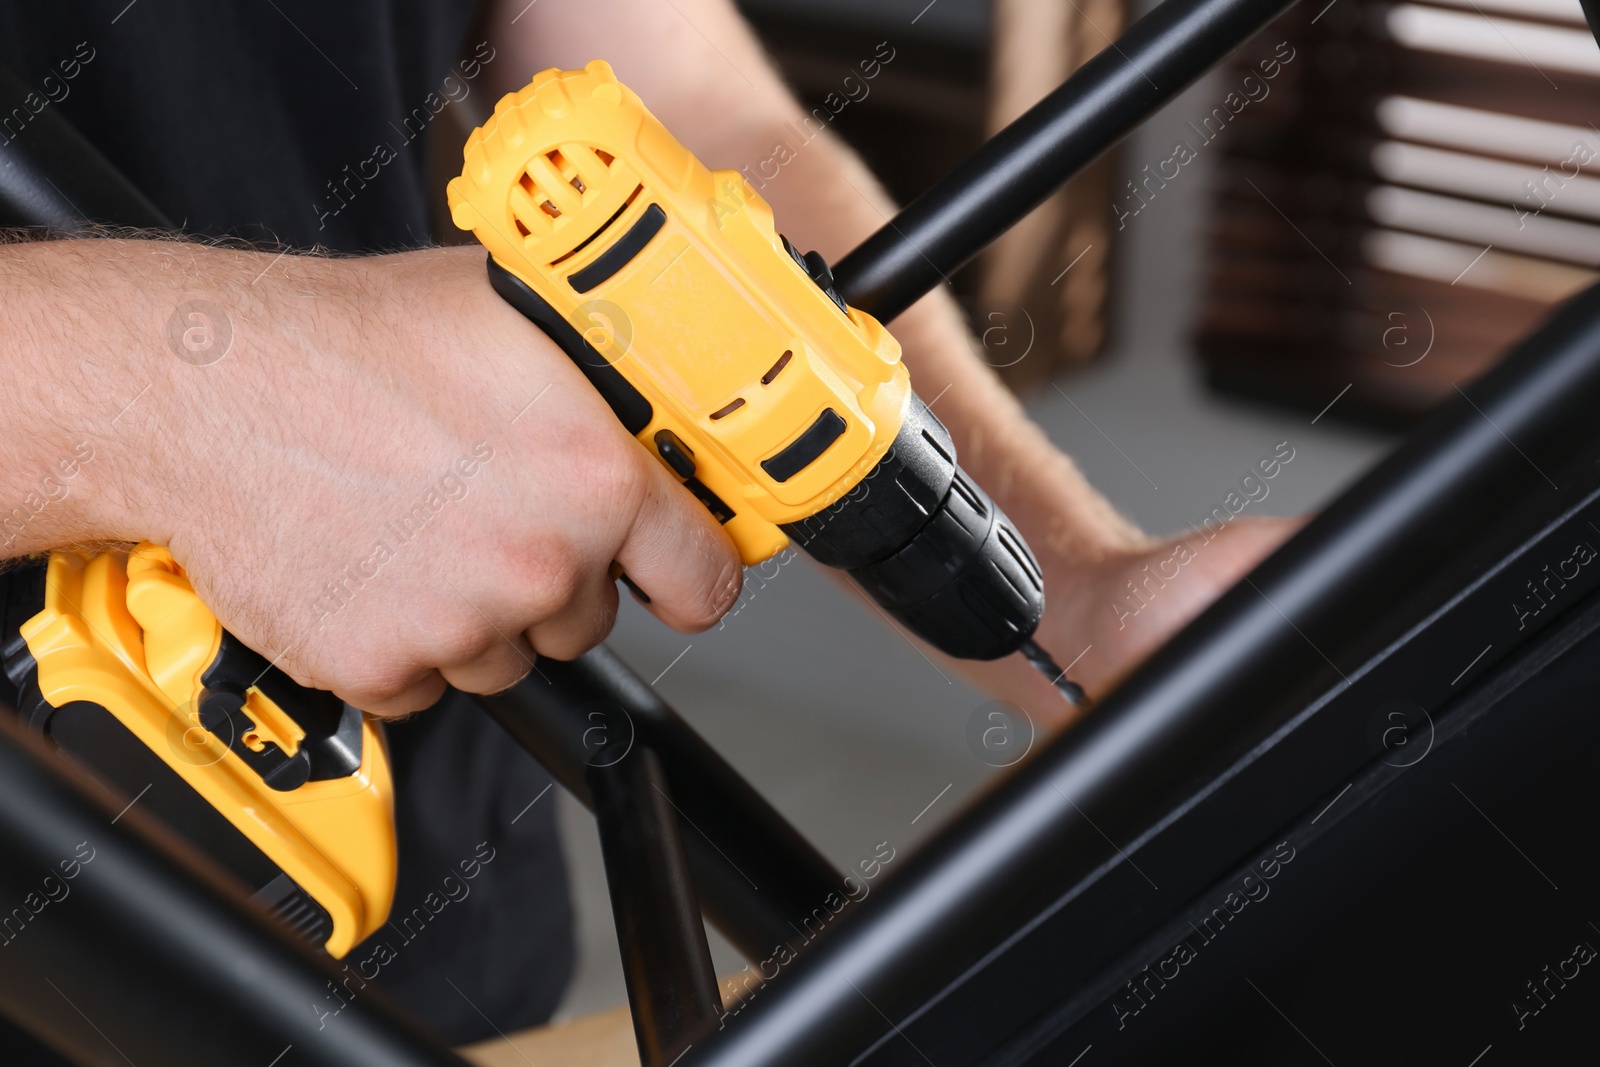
(257, 118)
(305, 123)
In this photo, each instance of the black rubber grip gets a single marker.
(630, 405)
(966, 583)
(620, 254)
(828, 428)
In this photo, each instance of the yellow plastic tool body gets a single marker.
(737, 350)
(128, 633)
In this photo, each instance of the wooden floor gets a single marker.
(604, 1039)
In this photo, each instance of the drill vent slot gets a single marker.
(960, 487)
(558, 184)
(777, 368)
(558, 161)
(1024, 559)
(728, 409)
(589, 240)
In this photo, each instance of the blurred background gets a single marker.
(1313, 245)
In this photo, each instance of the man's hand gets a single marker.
(375, 471)
(1132, 603)
(1108, 613)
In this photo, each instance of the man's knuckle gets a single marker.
(718, 595)
(464, 638)
(620, 477)
(379, 682)
(553, 577)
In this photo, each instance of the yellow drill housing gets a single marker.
(127, 632)
(782, 398)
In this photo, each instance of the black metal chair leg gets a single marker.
(671, 984)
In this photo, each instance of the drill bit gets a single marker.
(1052, 670)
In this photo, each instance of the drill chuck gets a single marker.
(924, 541)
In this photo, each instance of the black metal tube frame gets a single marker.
(1591, 15)
(51, 176)
(758, 878)
(672, 986)
(124, 943)
(1015, 170)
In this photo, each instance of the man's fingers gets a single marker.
(551, 592)
(506, 662)
(678, 555)
(582, 623)
(423, 690)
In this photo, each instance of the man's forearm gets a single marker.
(74, 363)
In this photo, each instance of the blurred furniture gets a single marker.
(1055, 262)
(1415, 191)
(923, 112)
(962, 69)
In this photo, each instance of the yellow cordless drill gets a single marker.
(729, 356)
